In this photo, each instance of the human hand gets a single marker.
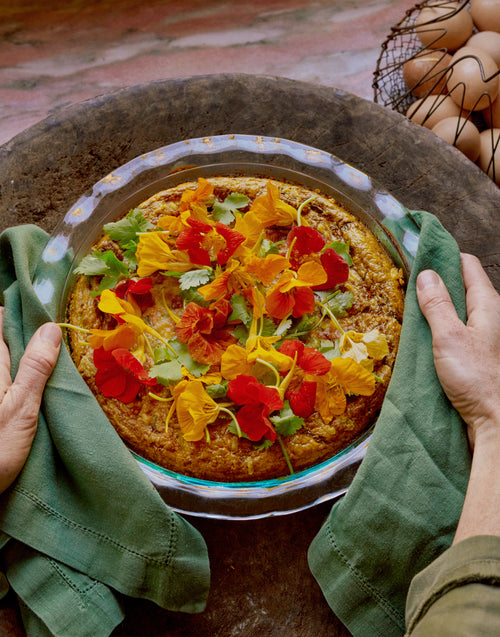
(466, 357)
(20, 400)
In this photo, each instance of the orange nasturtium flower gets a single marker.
(292, 293)
(266, 269)
(345, 376)
(250, 227)
(234, 280)
(153, 254)
(175, 224)
(123, 336)
(271, 211)
(195, 409)
(203, 192)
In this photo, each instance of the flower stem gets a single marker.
(275, 371)
(301, 207)
(233, 418)
(331, 316)
(285, 453)
(74, 327)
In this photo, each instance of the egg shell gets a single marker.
(486, 14)
(491, 114)
(445, 26)
(488, 41)
(465, 82)
(461, 133)
(430, 110)
(490, 143)
(426, 72)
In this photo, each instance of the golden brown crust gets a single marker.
(377, 287)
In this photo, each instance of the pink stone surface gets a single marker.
(55, 53)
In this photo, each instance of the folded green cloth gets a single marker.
(404, 503)
(82, 524)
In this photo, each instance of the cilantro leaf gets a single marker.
(219, 390)
(167, 373)
(329, 349)
(338, 302)
(224, 211)
(342, 249)
(268, 247)
(185, 359)
(241, 311)
(286, 422)
(105, 264)
(194, 278)
(125, 230)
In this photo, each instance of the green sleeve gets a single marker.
(458, 593)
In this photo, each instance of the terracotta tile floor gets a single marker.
(58, 52)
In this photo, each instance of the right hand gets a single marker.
(466, 357)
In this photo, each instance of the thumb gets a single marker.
(435, 303)
(39, 359)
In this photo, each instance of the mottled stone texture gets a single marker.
(261, 585)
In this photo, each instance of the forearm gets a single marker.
(481, 510)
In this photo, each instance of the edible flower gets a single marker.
(304, 240)
(195, 409)
(302, 388)
(154, 253)
(201, 240)
(257, 403)
(234, 280)
(271, 211)
(345, 376)
(337, 270)
(362, 347)
(292, 294)
(138, 291)
(202, 194)
(123, 336)
(200, 328)
(119, 374)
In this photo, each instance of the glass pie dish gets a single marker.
(231, 155)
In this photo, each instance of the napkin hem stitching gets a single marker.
(365, 584)
(70, 523)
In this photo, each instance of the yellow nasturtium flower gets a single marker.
(195, 409)
(360, 347)
(154, 253)
(345, 376)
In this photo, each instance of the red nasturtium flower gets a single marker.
(257, 402)
(200, 328)
(200, 238)
(138, 291)
(309, 363)
(292, 294)
(304, 240)
(336, 269)
(119, 374)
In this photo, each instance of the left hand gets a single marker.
(20, 400)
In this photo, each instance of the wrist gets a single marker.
(485, 434)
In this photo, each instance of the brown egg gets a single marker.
(488, 41)
(428, 111)
(425, 73)
(446, 25)
(490, 147)
(472, 79)
(486, 14)
(491, 114)
(461, 133)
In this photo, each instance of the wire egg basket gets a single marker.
(403, 44)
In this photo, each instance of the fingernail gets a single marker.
(426, 279)
(51, 333)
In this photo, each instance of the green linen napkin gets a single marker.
(405, 500)
(82, 524)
